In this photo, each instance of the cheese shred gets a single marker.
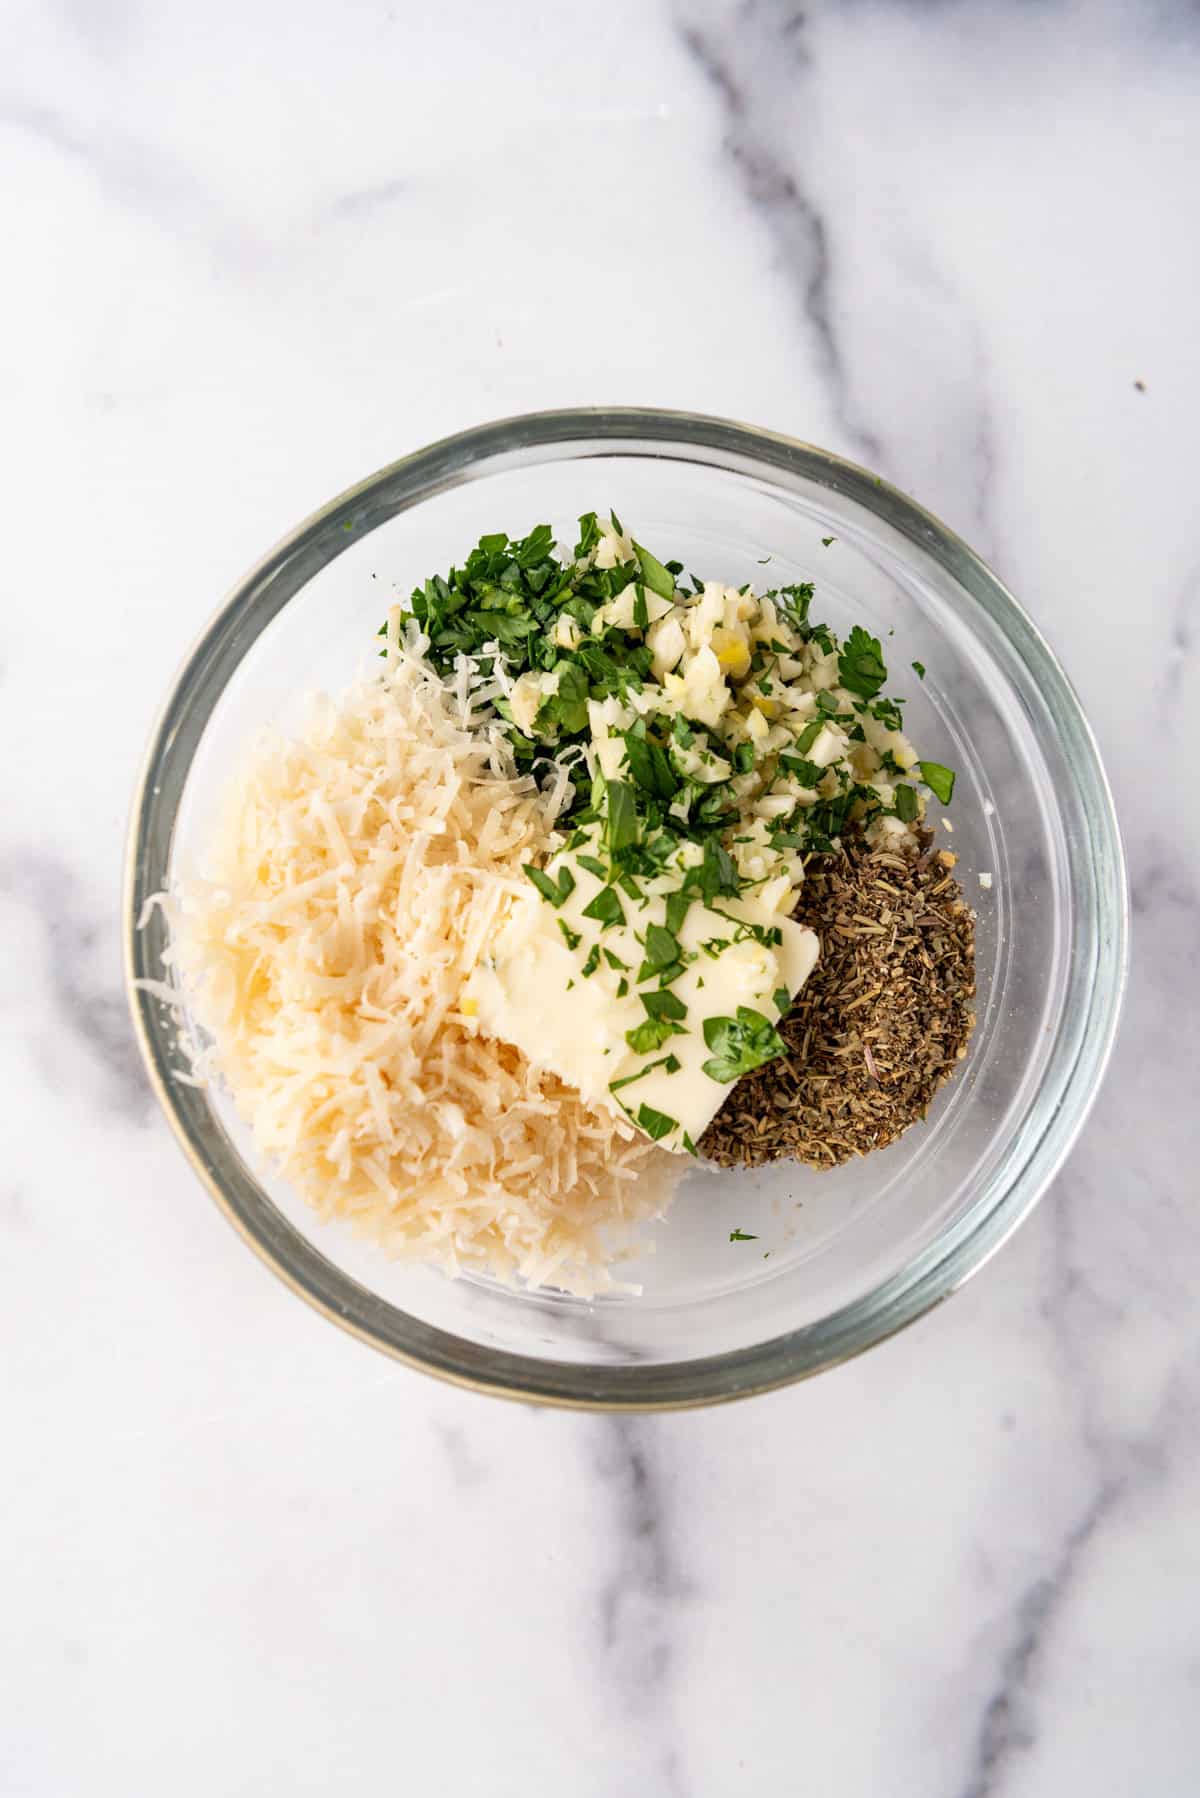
(354, 881)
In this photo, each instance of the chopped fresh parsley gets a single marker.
(656, 1124)
(557, 892)
(678, 904)
(861, 667)
(939, 780)
(663, 1003)
(740, 1044)
(571, 937)
(605, 908)
(809, 774)
(742, 1236)
(657, 578)
(650, 1035)
(647, 762)
(589, 535)
(716, 876)
(662, 950)
(620, 819)
(670, 1062)
(906, 804)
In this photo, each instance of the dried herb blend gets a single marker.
(884, 1018)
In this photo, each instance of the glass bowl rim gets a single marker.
(777, 1361)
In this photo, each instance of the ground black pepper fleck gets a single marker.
(883, 1020)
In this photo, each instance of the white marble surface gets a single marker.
(253, 252)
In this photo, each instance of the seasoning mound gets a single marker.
(884, 1019)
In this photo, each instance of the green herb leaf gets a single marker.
(621, 819)
(535, 548)
(919, 668)
(828, 540)
(662, 947)
(809, 735)
(555, 892)
(565, 709)
(716, 874)
(605, 908)
(670, 1062)
(743, 758)
(860, 665)
(809, 774)
(589, 535)
(641, 614)
(782, 1000)
(664, 1004)
(677, 909)
(906, 804)
(794, 603)
(656, 577)
(742, 1236)
(656, 1124)
(939, 780)
(571, 937)
(592, 863)
(649, 766)
(651, 1034)
(740, 1044)
(714, 945)
(593, 960)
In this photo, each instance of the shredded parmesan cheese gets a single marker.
(357, 875)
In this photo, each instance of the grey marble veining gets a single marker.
(798, 230)
(641, 1599)
(1006, 1728)
(82, 984)
(251, 255)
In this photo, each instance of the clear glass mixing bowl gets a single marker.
(839, 1259)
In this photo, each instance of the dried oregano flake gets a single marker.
(883, 1020)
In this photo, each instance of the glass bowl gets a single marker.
(838, 1259)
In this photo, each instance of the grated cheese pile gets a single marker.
(356, 875)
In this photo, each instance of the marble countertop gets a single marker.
(254, 252)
